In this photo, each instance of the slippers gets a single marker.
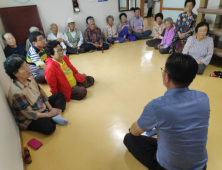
(216, 74)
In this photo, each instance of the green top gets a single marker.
(73, 41)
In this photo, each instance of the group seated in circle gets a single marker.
(48, 62)
(182, 137)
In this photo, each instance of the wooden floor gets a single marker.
(127, 76)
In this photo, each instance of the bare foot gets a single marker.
(116, 42)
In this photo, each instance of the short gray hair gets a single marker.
(110, 16)
(168, 19)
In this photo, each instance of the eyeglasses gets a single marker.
(60, 51)
(162, 69)
(41, 39)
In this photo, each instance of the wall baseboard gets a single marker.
(22, 148)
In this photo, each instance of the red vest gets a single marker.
(57, 80)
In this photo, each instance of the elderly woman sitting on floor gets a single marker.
(124, 28)
(62, 77)
(111, 33)
(159, 31)
(31, 107)
(200, 46)
(164, 46)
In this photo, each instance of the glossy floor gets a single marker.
(127, 76)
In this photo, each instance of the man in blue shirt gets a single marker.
(137, 26)
(181, 118)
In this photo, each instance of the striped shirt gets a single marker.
(26, 102)
(36, 57)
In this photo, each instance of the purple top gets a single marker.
(137, 24)
(168, 37)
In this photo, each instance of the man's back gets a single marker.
(182, 117)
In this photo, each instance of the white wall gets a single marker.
(58, 11)
(10, 152)
(210, 18)
(138, 3)
(1, 31)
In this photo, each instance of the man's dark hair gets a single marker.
(159, 15)
(136, 9)
(49, 49)
(3, 35)
(181, 68)
(33, 36)
(201, 24)
(122, 15)
(187, 1)
(12, 64)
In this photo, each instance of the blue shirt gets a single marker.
(137, 24)
(181, 118)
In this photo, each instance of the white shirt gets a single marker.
(73, 35)
(51, 36)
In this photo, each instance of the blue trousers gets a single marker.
(124, 32)
(89, 47)
(145, 35)
(120, 39)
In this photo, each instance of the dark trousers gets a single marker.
(79, 92)
(201, 68)
(164, 50)
(175, 39)
(153, 42)
(92, 47)
(144, 35)
(46, 125)
(71, 50)
(150, 11)
(144, 149)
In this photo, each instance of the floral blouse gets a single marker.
(200, 50)
(120, 26)
(185, 23)
(158, 30)
(110, 31)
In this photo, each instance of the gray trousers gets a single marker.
(162, 51)
(201, 69)
(40, 78)
(38, 73)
